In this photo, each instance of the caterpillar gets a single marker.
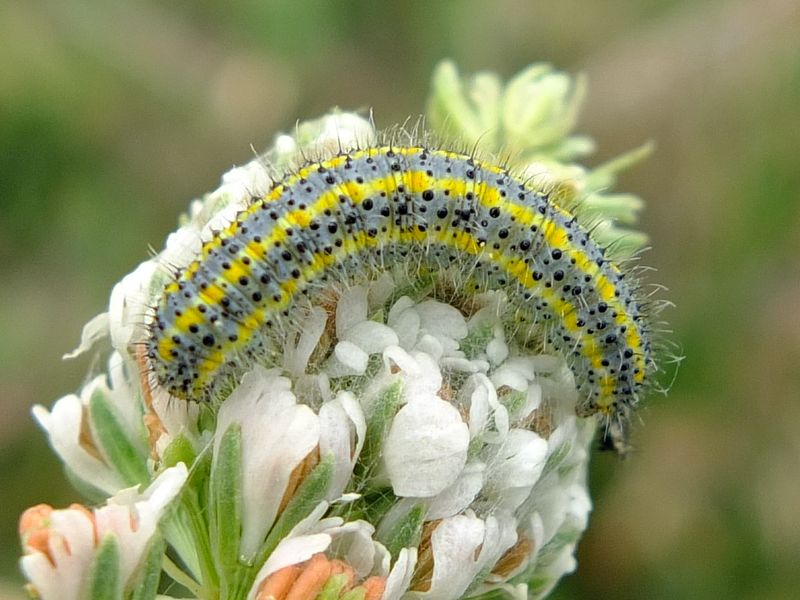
(386, 203)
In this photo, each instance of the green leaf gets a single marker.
(120, 451)
(103, 582)
(406, 532)
(226, 499)
(144, 583)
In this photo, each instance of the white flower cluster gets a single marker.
(403, 448)
(531, 118)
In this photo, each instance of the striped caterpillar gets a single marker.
(388, 204)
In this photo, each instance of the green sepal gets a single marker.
(144, 583)
(307, 497)
(380, 416)
(103, 582)
(467, 109)
(226, 500)
(119, 450)
(358, 593)
(180, 449)
(492, 595)
(333, 587)
(407, 532)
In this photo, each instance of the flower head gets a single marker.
(77, 553)
(391, 438)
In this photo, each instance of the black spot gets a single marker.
(208, 340)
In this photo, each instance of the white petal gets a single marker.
(460, 364)
(462, 547)
(395, 358)
(134, 523)
(406, 324)
(400, 576)
(497, 351)
(295, 357)
(95, 330)
(277, 434)
(342, 131)
(126, 308)
(353, 543)
(380, 290)
(342, 432)
(398, 308)
(457, 497)
(430, 344)
(351, 356)
(290, 551)
(351, 309)
(71, 546)
(455, 544)
(315, 523)
(509, 377)
(442, 319)
(533, 400)
(248, 180)
(126, 400)
(479, 396)
(64, 428)
(426, 447)
(516, 467)
(371, 337)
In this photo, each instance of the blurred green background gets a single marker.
(114, 114)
